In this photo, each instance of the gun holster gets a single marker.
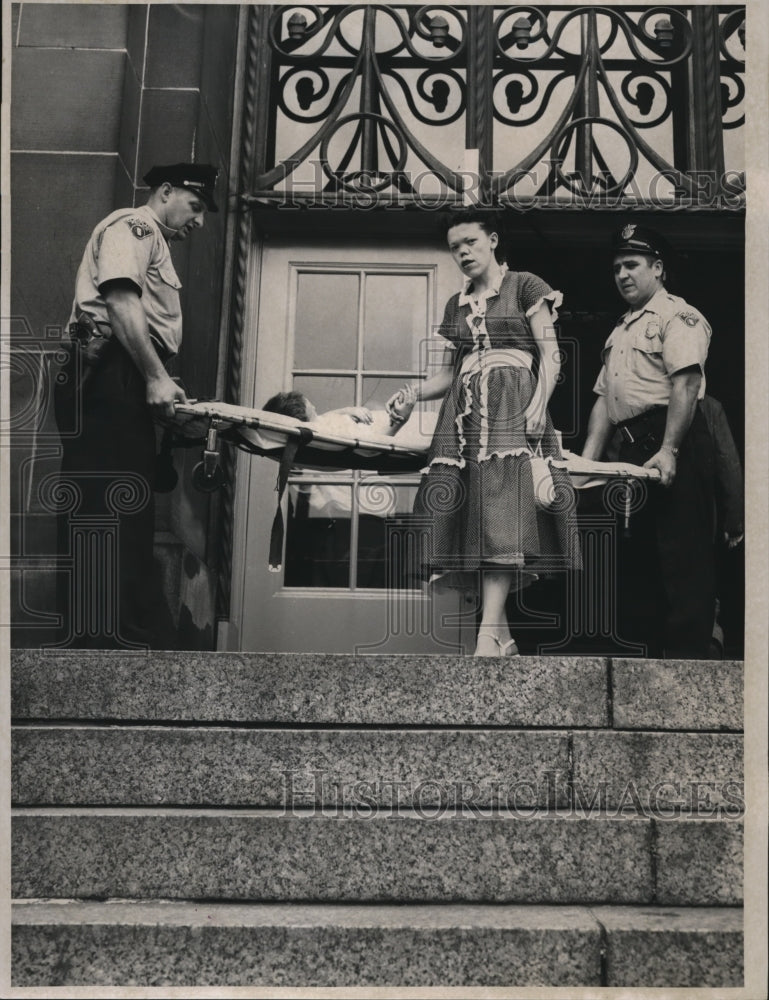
(88, 339)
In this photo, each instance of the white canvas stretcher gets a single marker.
(266, 433)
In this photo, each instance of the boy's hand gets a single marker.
(400, 405)
(360, 414)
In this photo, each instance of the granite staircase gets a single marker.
(317, 821)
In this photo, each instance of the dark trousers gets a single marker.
(666, 568)
(111, 595)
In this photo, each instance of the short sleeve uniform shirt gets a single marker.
(129, 245)
(646, 348)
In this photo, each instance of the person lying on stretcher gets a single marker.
(318, 539)
(297, 405)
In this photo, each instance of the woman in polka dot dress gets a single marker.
(493, 512)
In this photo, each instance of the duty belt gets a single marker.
(637, 428)
(91, 337)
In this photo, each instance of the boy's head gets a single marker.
(291, 404)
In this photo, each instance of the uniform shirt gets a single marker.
(130, 244)
(645, 349)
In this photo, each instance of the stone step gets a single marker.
(177, 944)
(668, 946)
(363, 855)
(677, 694)
(660, 772)
(273, 768)
(541, 692)
(472, 768)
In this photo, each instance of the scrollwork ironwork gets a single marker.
(734, 100)
(371, 180)
(644, 99)
(619, 18)
(591, 71)
(395, 69)
(439, 101)
(733, 23)
(375, 67)
(299, 76)
(577, 183)
(526, 98)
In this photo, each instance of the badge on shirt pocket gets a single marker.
(649, 340)
(653, 329)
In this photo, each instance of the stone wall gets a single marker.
(100, 92)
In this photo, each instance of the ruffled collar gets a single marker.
(466, 297)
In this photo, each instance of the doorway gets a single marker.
(345, 323)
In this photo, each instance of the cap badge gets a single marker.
(139, 228)
(628, 231)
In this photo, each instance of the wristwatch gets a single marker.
(669, 447)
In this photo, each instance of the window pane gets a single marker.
(371, 551)
(395, 320)
(390, 552)
(384, 499)
(326, 328)
(377, 390)
(327, 392)
(385, 545)
(318, 536)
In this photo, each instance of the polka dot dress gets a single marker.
(477, 499)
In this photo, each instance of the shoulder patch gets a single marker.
(690, 318)
(139, 228)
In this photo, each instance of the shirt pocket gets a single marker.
(166, 306)
(168, 275)
(646, 353)
(648, 339)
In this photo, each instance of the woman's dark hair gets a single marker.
(489, 222)
(289, 404)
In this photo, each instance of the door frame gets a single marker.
(265, 359)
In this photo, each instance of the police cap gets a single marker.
(197, 177)
(638, 239)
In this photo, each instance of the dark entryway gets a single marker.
(571, 253)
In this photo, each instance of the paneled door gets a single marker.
(345, 324)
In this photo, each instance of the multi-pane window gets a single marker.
(358, 333)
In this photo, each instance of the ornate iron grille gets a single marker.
(521, 106)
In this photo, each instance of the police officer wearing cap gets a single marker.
(126, 324)
(652, 376)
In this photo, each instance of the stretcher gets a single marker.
(269, 434)
(299, 444)
(262, 433)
